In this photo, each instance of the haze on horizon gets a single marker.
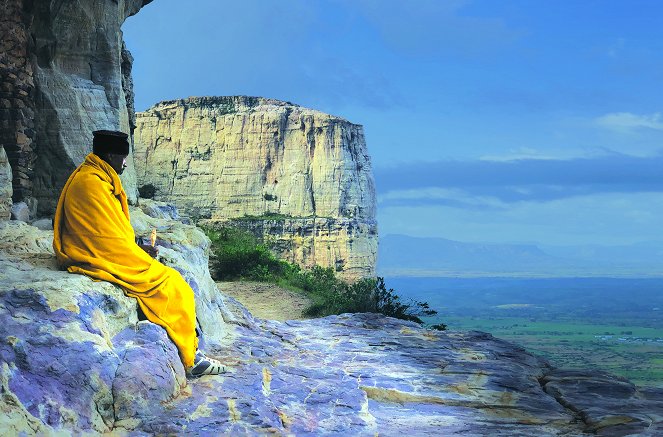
(498, 122)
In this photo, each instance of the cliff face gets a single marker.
(17, 91)
(64, 76)
(5, 186)
(297, 177)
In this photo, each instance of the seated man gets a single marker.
(93, 236)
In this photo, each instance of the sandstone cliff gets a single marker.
(65, 73)
(299, 178)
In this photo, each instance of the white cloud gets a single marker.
(526, 153)
(451, 195)
(628, 122)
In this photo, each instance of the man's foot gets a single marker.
(203, 365)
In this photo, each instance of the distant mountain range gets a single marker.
(401, 255)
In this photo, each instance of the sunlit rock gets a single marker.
(299, 178)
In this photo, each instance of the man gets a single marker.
(93, 236)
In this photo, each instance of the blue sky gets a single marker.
(487, 121)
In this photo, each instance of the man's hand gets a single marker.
(151, 251)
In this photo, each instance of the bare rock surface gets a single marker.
(299, 178)
(365, 374)
(45, 224)
(79, 87)
(75, 359)
(608, 404)
(72, 353)
(161, 210)
(17, 92)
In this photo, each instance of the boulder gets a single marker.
(160, 210)
(45, 224)
(73, 354)
(20, 211)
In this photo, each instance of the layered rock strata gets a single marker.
(74, 359)
(64, 74)
(17, 93)
(5, 186)
(298, 178)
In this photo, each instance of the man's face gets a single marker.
(118, 162)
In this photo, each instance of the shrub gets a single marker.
(147, 191)
(368, 295)
(237, 254)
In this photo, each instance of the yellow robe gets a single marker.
(93, 236)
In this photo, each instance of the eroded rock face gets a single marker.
(17, 91)
(223, 158)
(5, 186)
(65, 76)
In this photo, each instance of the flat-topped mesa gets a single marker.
(224, 104)
(299, 178)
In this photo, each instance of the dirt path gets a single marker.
(267, 301)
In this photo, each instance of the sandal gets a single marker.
(203, 365)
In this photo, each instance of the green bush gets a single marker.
(147, 191)
(367, 295)
(237, 254)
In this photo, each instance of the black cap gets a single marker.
(110, 141)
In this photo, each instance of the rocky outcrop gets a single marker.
(75, 359)
(72, 352)
(299, 178)
(17, 92)
(5, 186)
(64, 75)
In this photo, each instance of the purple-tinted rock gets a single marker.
(74, 359)
(150, 371)
(606, 403)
